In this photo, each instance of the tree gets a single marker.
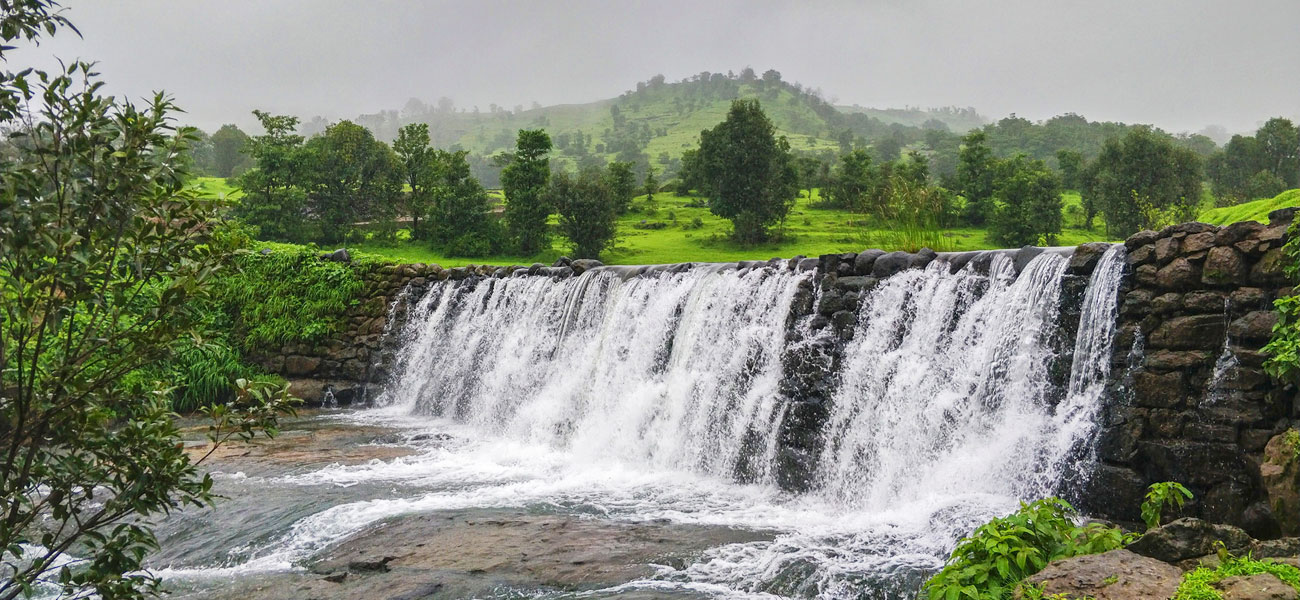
(420, 168)
(1142, 179)
(649, 185)
(1027, 203)
(103, 262)
(351, 176)
(1071, 164)
(975, 177)
(853, 183)
(462, 223)
(228, 147)
(622, 183)
(1279, 146)
(588, 210)
(524, 183)
(750, 173)
(274, 200)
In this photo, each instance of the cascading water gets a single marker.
(657, 398)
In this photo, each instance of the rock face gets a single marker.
(1190, 401)
(1115, 575)
(1280, 476)
(1190, 538)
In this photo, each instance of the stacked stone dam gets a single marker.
(1188, 399)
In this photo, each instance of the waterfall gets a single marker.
(945, 385)
(676, 371)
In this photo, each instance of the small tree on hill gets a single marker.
(524, 182)
(462, 221)
(748, 172)
(350, 176)
(420, 167)
(622, 183)
(228, 146)
(588, 211)
(649, 185)
(1143, 165)
(274, 200)
(1027, 203)
(975, 174)
(853, 183)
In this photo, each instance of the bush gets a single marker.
(643, 224)
(988, 564)
(1160, 496)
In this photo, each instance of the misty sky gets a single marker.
(1180, 64)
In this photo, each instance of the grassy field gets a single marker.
(680, 229)
(1251, 211)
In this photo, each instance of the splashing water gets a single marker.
(657, 397)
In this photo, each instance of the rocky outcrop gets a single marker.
(1280, 476)
(1115, 575)
(1190, 401)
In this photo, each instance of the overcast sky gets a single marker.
(1180, 64)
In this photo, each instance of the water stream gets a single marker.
(657, 399)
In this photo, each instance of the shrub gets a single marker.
(1198, 584)
(1160, 496)
(988, 564)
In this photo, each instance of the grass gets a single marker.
(1251, 211)
(216, 187)
(665, 231)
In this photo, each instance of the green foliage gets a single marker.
(854, 184)
(1166, 494)
(228, 151)
(1027, 203)
(1148, 167)
(524, 182)
(1198, 584)
(975, 177)
(462, 223)
(1250, 211)
(1259, 166)
(104, 265)
(281, 297)
(420, 167)
(988, 564)
(588, 208)
(621, 182)
(749, 175)
(274, 200)
(350, 176)
(1283, 349)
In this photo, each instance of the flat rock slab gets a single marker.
(1114, 575)
(1255, 587)
(480, 553)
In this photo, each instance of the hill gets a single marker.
(1251, 211)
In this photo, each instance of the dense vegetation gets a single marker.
(106, 258)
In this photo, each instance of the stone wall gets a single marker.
(1190, 401)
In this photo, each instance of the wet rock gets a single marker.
(583, 265)
(1282, 216)
(1189, 538)
(1205, 301)
(1180, 274)
(340, 255)
(807, 264)
(1166, 250)
(1086, 257)
(1158, 390)
(1256, 325)
(562, 261)
(1145, 275)
(1269, 270)
(1140, 239)
(370, 566)
(1224, 266)
(1198, 332)
(856, 283)
(1174, 360)
(922, 258)
(1024, 255)
(1237, 232)
(1280, 476)
(866, 260)
(1166, 303)
(301, 365)
(890, 264)
(1142, 255)
(1264, 586)
(1197, 242)
(1115, 575)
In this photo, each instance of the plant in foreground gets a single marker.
(1161, 496)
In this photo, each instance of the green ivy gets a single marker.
(1284, 349)
(989, 564)
(1198, 584)
(287, 296)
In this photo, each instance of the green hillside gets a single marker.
(1251, 211)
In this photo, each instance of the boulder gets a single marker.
(562, 261)
(1197, 332)
(1189, 538)
(807, 264)
(583, 265)
(865, 260)
(1180, 274)
(1140, 239)
(890, 264)
(340, 255)
(1224, 266)
(1197, 242)
(1024, 255)
(1264, 586)
(1086, 257)
(301, 365)
(922, 258)
(1166, 250)
(1115, 575)
(1256, 325)
(1280, 475)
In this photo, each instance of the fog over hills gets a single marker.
(1179, 64)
